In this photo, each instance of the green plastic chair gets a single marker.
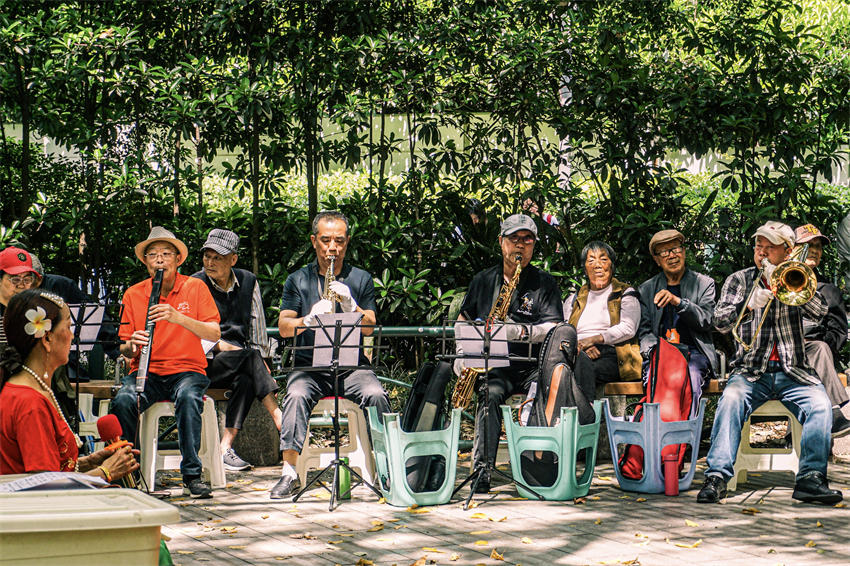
(393, 448)
(566, 439)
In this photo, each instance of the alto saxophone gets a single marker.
(327, 292)
(465, 385)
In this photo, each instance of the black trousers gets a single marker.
(589, 373)
(245, 373)
(501, 383)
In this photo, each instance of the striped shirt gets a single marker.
(783, 328)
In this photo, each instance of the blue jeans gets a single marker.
(809, 403)
(186, 390)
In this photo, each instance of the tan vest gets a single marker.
(628, 352)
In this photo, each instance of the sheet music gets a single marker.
(53, 480)
(470, 337)
(349, 336)
(89, 326)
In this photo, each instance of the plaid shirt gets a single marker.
(782, 327)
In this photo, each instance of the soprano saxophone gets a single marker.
(465, 385)
(327, 292)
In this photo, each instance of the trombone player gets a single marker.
(770, 363)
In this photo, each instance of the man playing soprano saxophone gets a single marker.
(302, 301)
(535, 304)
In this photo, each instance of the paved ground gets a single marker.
(757, 525)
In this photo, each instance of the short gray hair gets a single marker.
(329, 215)
(599, 246)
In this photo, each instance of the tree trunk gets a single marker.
(177, 148)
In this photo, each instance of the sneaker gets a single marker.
(233, 463)
(713, 490)
(196, 488)
(840, 424)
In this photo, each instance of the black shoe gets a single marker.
(483, 485)
(284, 487)
(196, 488)
(840, 424)
(814, 489)
(713, 490)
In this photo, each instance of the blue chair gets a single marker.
(393, 448)
(566, 439)
(652, 434)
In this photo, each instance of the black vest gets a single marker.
(233, 307)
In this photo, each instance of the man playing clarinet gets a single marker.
(184, 315)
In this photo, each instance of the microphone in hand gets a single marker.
(109, 430)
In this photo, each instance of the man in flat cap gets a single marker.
(184, 315)
(677, 304)
(238, 358)
(775, 367)
(535, 304)
(825, 339)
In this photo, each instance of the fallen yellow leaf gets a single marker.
(604, 478)
(595, 498)
(818, 524)
(229, 529)
(625, 497)
(392, 520)
(417, 510)
(526, 540)
(421, 562)
(597, 522)
(750, 511)
(496, 556)
(334, 541)
(454, 557)
(689, 523)
(811, 544)
(479, 532)
(237, 547)
(185, 552)
(375, 529)
(473, 505)
(264, 516)
(364, 562)
(840, 505)
(502, 520)
(429, 549)
(478, 516)
(481, 543)
(377, 522)
(694, 545)
(640, 499)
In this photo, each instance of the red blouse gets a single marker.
(33, 436)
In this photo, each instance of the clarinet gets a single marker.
(145, 357)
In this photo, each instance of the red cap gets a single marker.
(15, 260)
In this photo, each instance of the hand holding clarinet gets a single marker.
(144, 338)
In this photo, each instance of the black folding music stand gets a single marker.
(337, 334)
(485, 332)
(86, 321)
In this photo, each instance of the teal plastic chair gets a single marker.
(566, 439)
(393, 448)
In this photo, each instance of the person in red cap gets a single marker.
(825, 339)
(16, 275)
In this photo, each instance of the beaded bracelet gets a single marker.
(106, 473)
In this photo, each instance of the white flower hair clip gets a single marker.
(38, 323)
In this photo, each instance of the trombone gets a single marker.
(792, 282)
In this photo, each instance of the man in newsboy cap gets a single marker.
(825, 339)
(238, 358)
(184, 315)
(677, 305)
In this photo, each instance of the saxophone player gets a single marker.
(535, 302)
(329, 284)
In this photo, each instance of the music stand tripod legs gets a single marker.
(337, 461)
(487, 468)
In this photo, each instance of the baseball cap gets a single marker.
(221, 241)
(807, 233)
(15, 260)
(516, 222)
(664, 236)
(777, 233)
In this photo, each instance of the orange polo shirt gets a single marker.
(175, 349)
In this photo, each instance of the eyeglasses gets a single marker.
(164, 255)
(665, 253)
(17, 280)
(528, 240)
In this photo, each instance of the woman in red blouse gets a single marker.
(34, 434)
